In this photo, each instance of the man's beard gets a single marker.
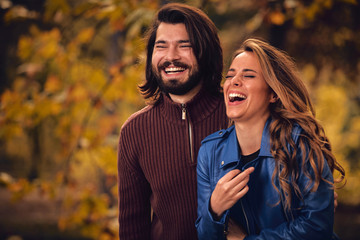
(173, 86)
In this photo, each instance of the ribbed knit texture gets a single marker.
(155, 171)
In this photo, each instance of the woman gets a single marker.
(271, 172)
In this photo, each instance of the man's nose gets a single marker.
(172, 54)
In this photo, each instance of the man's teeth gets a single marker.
(171, 70)
(236, 97)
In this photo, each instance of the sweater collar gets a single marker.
(199, 107)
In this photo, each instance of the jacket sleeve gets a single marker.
(133, 192)
(207, 227)
(315, 217)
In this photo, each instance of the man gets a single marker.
(158, 145)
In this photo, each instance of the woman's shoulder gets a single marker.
(218, 135)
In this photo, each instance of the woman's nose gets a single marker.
(236, 81)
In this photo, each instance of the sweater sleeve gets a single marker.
(133, 191)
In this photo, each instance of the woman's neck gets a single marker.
(249, 135)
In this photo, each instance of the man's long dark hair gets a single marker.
(204, 40)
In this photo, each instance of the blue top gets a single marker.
(261, 210)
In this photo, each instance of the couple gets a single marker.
(257, 179)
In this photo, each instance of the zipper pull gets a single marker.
(183, 114)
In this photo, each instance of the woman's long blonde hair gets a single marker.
(293, 106)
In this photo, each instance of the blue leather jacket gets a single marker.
(260, 211)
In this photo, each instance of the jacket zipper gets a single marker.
(183, 117)
(246, 219)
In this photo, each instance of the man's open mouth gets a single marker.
(173, 70)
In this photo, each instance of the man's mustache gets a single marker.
(174, 63)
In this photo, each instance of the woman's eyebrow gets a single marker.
(249, 70)
(245, 70)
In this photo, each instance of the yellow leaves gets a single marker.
(11, 113)
(106, 158)
(55, 6)
(353, 135)
(306, 14)
(85, 35)
(20, 189)
(277, 17)
(49, 44)
(332, 109)
(78, 93)
(309, 73)
(106, 124)
(5, 179)
(25, 47)
(40, 45)
(100, 157)
(7, 98)
(335, 110)
(20, 12)
(53, 84)
(86, 210)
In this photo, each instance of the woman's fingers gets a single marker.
(242, 192)
(230, 175)
(229, 189)
(241, 179)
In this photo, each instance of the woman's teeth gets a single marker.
(236, 97)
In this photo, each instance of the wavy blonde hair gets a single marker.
(293, 106)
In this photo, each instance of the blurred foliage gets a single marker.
(70, 81)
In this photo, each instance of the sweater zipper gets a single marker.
(183, 117)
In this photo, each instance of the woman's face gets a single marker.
(247, 95)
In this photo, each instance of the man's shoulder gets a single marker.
(136, 117)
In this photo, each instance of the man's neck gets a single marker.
(186, 97)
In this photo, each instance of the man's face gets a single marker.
(173, 61)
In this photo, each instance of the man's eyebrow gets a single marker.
(184, 41)
(160, 42)
(231, 70)
(163, 41)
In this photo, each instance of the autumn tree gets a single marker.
(69, 74)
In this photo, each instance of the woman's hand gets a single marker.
(229, 189)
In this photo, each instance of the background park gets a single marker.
(69, 72)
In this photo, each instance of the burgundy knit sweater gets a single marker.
(157, 155)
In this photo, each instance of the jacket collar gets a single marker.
(232, 148)
(198, 108)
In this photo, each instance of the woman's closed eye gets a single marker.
(249, 76)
